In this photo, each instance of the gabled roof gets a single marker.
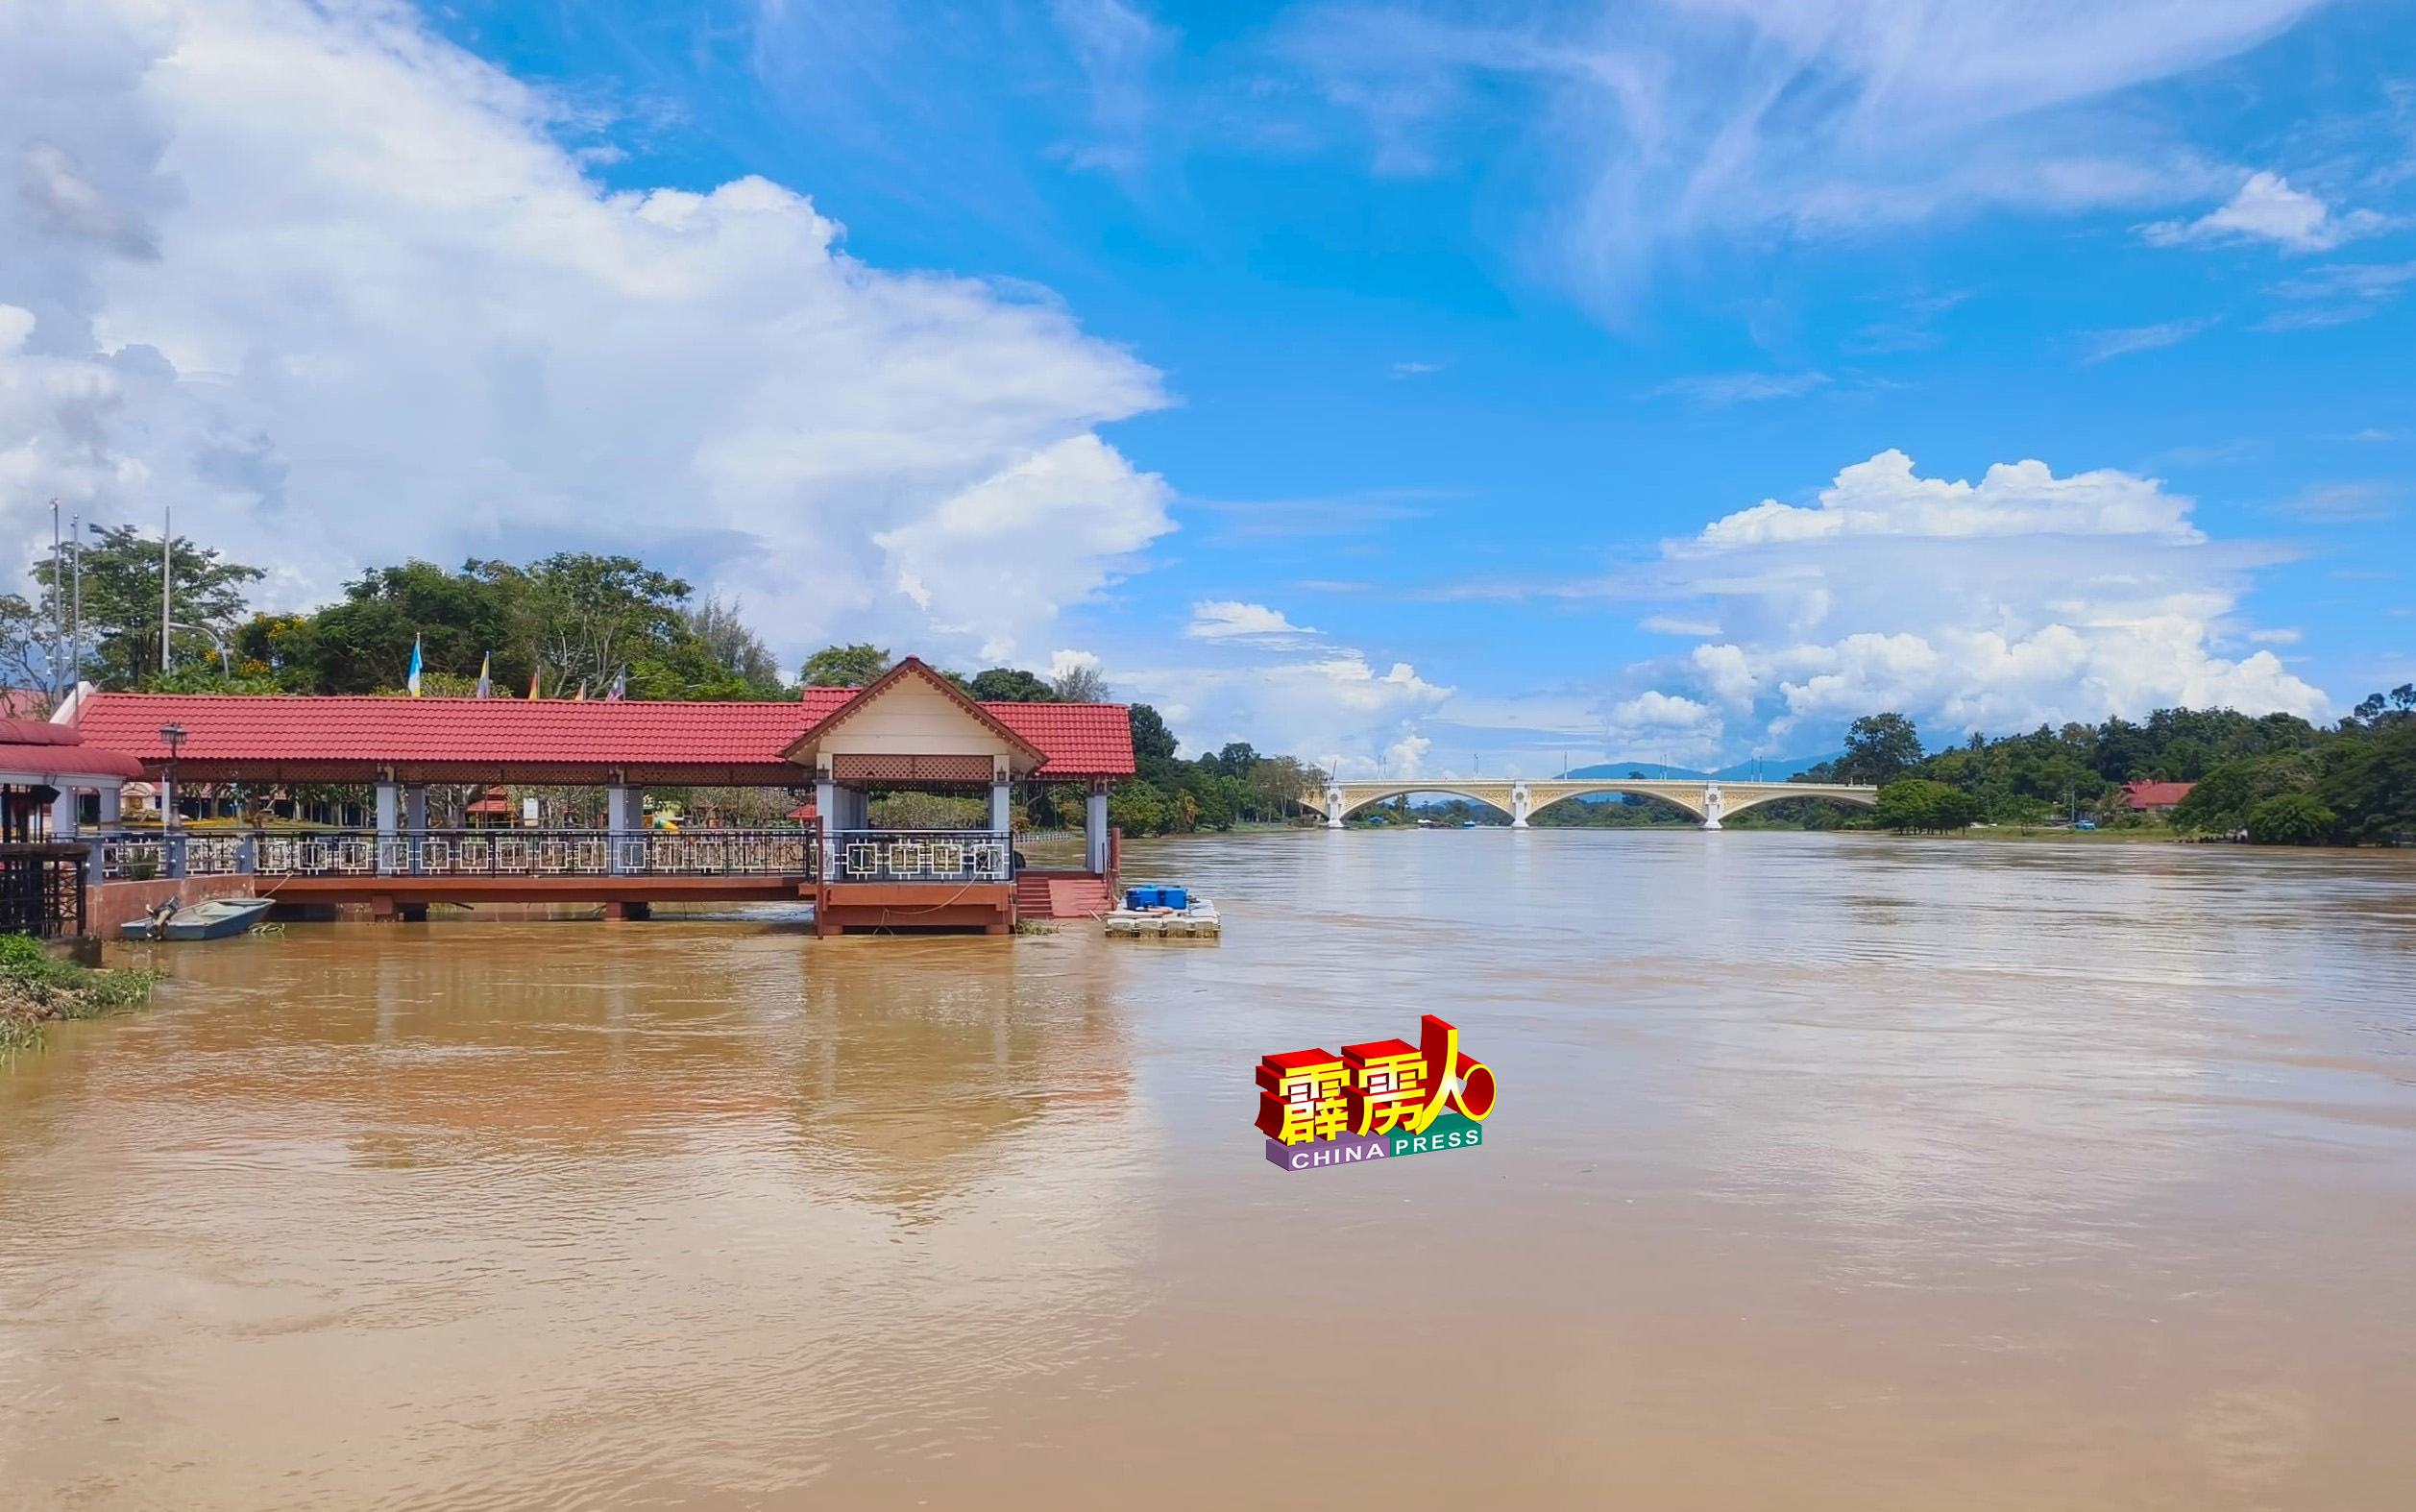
(912, 668)
(2154, 795)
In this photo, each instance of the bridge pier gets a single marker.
(1517, 807)
(1712, 804)
(1333, 808)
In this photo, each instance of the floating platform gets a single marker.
(1195, 920)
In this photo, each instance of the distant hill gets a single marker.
(1771, 768)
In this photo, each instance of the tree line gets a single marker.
(566, 626)
(2275, 778)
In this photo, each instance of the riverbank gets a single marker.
(38, 989)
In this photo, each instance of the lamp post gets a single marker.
(172, 736)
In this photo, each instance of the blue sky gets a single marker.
(1392, 384)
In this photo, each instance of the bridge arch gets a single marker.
(1491, 796)
(1641, 787)
(1858, 797)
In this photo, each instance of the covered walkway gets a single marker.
(910, 730)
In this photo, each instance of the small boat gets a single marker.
(219, 918)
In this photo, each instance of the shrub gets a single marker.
(2292, 818)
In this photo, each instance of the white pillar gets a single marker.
(1711, 806)
(62, 815)
(624, 817)
(389, 802)
(1095, 832)
(414, 826)
(112, 805)
(1001, 816)
(1333, 808)
(1517, 807)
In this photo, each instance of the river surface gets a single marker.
(1828, 1172)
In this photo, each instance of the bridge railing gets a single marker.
(917, 856)
(457, 853)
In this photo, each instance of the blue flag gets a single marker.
(414, 681)
(486, 676)
(619, 684)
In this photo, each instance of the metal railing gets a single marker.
(458, 853)
(917, 856)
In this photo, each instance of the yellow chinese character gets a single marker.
(1300, 1096)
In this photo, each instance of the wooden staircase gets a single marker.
(1060, 895)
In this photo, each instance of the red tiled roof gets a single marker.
(2154, 795)
(489, 740)
(52, 759)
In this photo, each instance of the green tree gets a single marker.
(2370, 782)
(1916, 803)
(1011, 685)
(2220, 802)
(25, 648)
(589, 616)
(1152, 740)
(121, 604)
(1080, 683)
(844, 666)
(1879, 748)
(2293, 818)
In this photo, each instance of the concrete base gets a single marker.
(110, 907)
(628, 911)
(982, 908)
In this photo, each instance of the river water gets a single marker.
(1828, 1172)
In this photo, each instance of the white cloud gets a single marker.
(2105, 344)
(1718, 390)
(1674, 625)
(2025, 598)
(1328, 706)
(1668, 119)
(1228, 620)
(2267, 209)
(327, 285)
(1062, 663)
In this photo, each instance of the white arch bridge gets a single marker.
(1522, 797)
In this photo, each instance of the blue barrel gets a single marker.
(1140, 898)
(1174, 897)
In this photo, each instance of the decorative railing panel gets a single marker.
(917, 856)
(461, 853)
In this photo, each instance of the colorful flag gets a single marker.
(619, 684)
(579, 697)
(534, 679)
(486, 676)
(414, 681)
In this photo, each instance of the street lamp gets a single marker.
(172, 736)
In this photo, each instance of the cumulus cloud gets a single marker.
(1333, 706)
(2267, 210)
(327, 285)
(2027, 596)
(1228, 620)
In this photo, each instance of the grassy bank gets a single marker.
(37, 989)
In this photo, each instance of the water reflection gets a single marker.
(1830, 1171)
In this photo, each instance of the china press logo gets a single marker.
(1373, 1101)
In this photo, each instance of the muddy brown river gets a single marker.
(1828, 1172)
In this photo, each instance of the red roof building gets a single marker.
(2155, 798)
(233, 738)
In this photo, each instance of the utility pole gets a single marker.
(167, 601)
(58, 607)
(75, 538)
